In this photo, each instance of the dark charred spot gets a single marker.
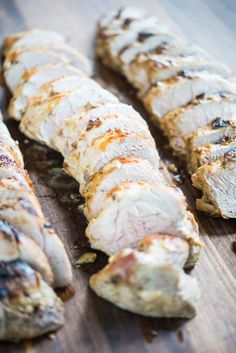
(230, 156)
(126, 23)
(200, 96)
(47, 225)
(116, 279)
(16, 268)
(6, 161)
(14, 276)
(74, 144)
(160, 48)
(93, 123)
(219, 123)
(142, 36)
(226, 140)
(119, 13)
(185, 73)
(10, 231)
(223, 95)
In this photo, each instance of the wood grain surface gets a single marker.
(93, 325)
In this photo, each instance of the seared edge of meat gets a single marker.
(28, 305)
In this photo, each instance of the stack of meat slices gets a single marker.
(187, 93)
(32, 258)
(109, 150)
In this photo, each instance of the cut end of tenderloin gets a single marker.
(149, 283)
(29, 307)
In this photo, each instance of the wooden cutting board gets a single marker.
(93, 325)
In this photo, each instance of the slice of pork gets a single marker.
(33, 80)
(19, 208)
(78, 123)
(19, 62)
(145, 284)
(18, 105)
(154, 43)
(16, 246)
(166, 248)
(109, 124)
(182, 89)
(182, 122)
(29, 306)
(218, 131)
(148, 69)
(51, 112)
(217, 183)
(119, 18)
(113, 174)
(8, 143)
(103, 149)
(31, 39)
(133, 210)
(210, 152)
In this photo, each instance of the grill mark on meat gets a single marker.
(230, 156)
(142, 36)
(6, 161)
(10, 231)
(12, 275)
(226, 140)
(127, 23)
(219, 123)
(93, 123)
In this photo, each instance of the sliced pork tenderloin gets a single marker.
(182, 89)
(111, 176)
(33, 38)
(147, 69)
(41, 39)
(51, 112)
(217, 183)
(149, 283)
(91, 115)
(31, 82)
(16, 246)
(83, 164)
(19, 62)
(29, 306)
(18, 106)
(145, 44)
(135, 209)
(181, 123)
